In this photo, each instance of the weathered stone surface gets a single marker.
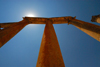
(96, 18)
(10, 31)
(50, 54)
(55, 20)
(4, 25)
(90, 29)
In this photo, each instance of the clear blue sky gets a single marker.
(78, 49)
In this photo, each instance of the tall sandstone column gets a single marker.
(8, 32)
(50, 53)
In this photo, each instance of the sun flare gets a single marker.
(30, 15)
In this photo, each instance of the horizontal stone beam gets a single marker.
(55, 20)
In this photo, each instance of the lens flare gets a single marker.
(30, 15)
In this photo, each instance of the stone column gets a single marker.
(96, 18)
(90, 29)
(50, 53)
(7, 33)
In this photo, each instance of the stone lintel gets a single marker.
(40, 20)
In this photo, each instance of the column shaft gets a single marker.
(50, 53)
(90, 29)
(9, 32)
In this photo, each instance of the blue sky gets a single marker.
(78, 49)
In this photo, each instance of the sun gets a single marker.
(30, 15)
